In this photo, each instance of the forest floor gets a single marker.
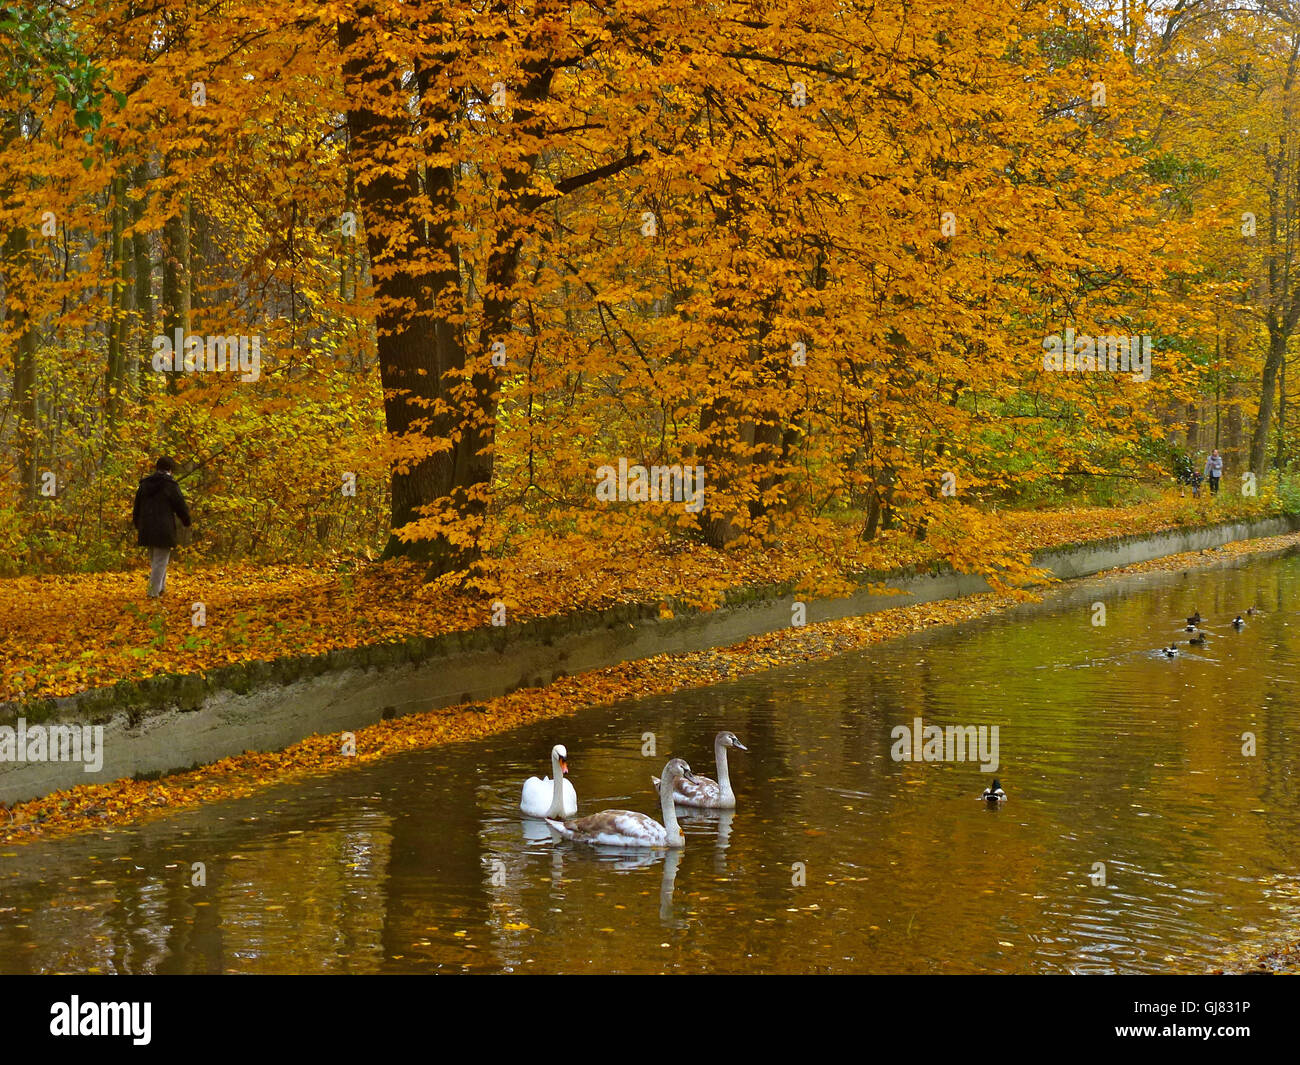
(64, 634)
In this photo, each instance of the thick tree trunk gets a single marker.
(416, 345)
(727, 432)
(425, 361)
(742, 458)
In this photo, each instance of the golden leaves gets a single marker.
(126, 801)
(61, 634)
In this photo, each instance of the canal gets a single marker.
(1151, 826)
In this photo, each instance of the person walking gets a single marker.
(158, 503)
(1214, 470)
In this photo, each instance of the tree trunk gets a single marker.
(743, 446)
(1268, 388)
(425, 360)
(1279, 459)
(20, 324)
(727, 432)
(143, 270)
(115, 377)
(176, 283)
(415, 346)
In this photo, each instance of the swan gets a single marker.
(551, 796)
(705, 793)
(627, 828)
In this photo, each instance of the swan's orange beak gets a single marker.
(564, 767)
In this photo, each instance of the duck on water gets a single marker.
(994, 794)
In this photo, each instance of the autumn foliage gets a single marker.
(60, 635)
(812, 249)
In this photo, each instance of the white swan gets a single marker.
(705, 793)
(551, 796)
(627, 828)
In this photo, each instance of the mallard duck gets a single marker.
(1170, 651)
(709, 794)
(994, 793)
(1251, 611)
(1190, 628)
(1237, 622)
(1198, 639)
(1195, 619)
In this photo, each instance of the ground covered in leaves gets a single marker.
(60, 635)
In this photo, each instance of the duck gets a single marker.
(627, 828)
(551, 796)
(703, 793)
(1251, 611)
(1237, 622)
(1198, 639)
(994, 793)
(1195, 619)
(1171, 650)
(1190, 628)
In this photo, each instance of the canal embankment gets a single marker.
(170, 722)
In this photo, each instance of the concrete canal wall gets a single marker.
(172, 722)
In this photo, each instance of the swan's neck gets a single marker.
(557, 792)
(670, 810)
(724, 778)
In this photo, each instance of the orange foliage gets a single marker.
(64, 634)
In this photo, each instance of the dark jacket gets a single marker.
(158, 503)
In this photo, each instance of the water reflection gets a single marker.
(1139, 834)
(716, 824)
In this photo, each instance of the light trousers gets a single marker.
(158, 557)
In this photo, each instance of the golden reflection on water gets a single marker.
(1138, 835)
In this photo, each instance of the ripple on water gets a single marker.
(1138, 837)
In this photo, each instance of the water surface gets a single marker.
(1138, 836)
